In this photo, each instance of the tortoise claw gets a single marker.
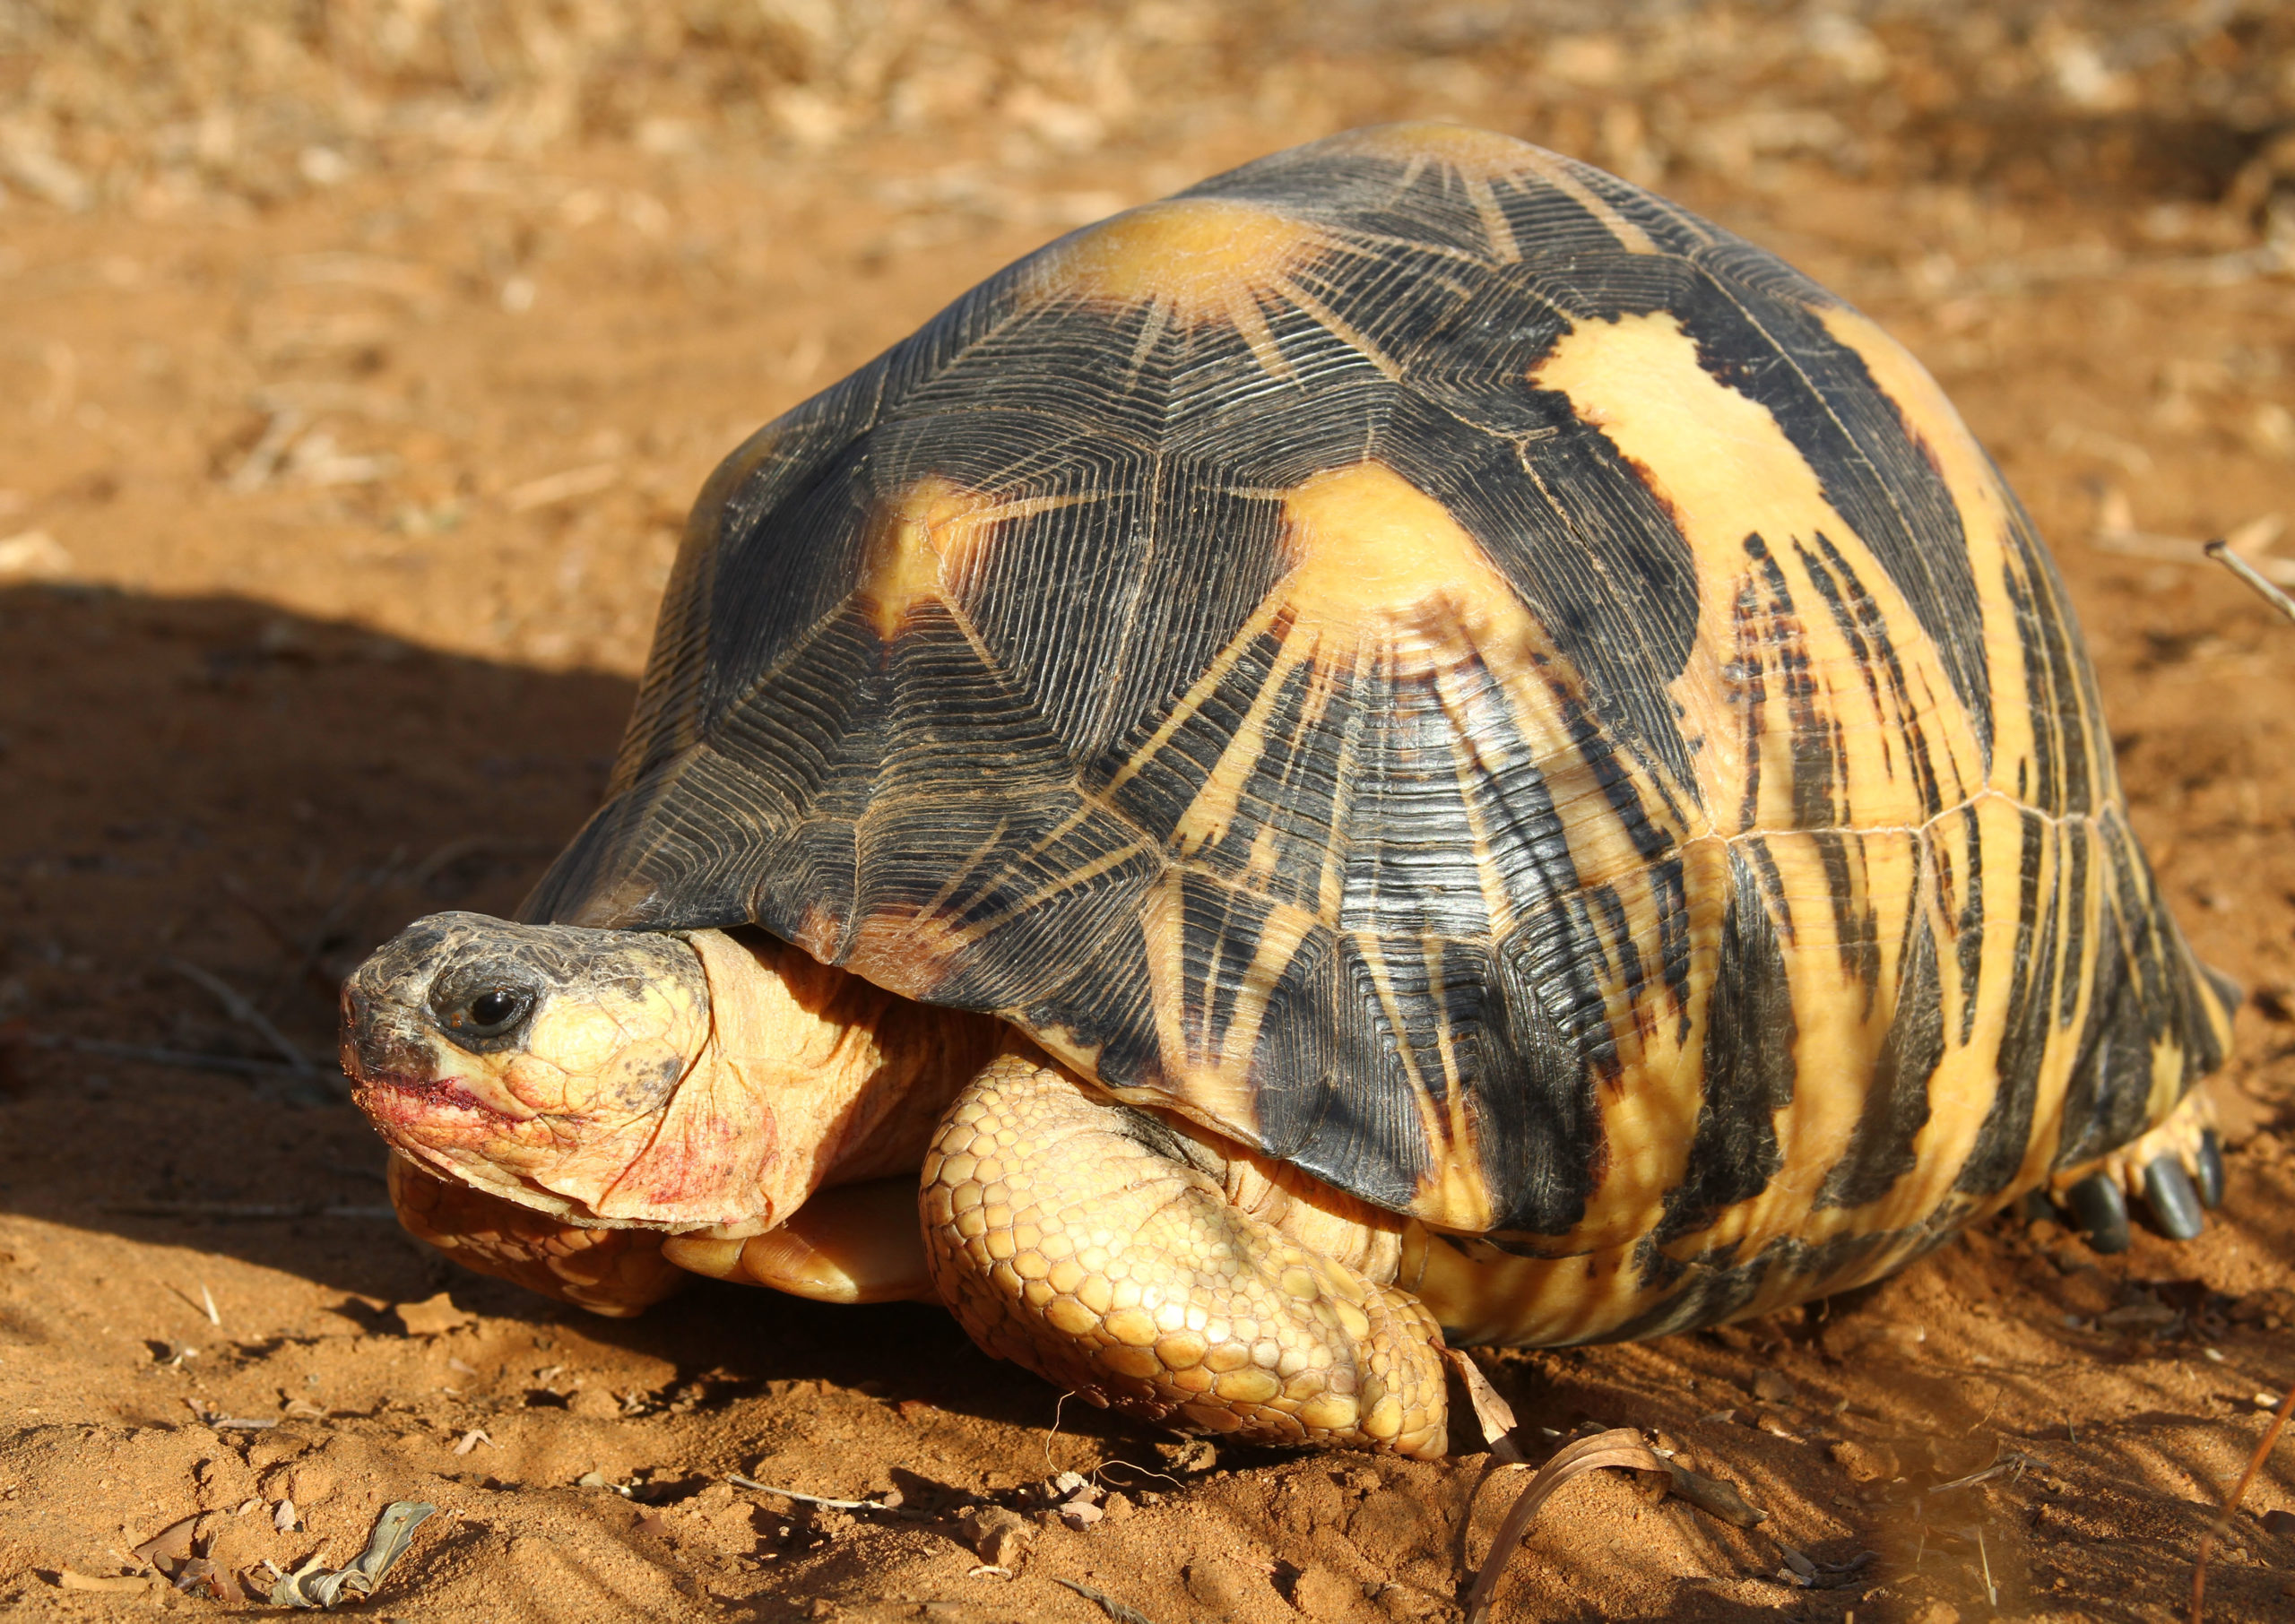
(2036, 1205)
(2210, 1176)
(2101, 1211)
(2168, 1192)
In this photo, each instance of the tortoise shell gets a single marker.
(1437, 664)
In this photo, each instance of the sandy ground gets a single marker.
(332, 517)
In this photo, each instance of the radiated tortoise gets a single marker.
(1411, 743)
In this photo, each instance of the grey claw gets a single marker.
(2035, 1206)
(2211, 1170)
(2101, 1211)
(2175, 1204)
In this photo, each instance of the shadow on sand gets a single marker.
(214, 788)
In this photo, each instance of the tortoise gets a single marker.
(1412, 746)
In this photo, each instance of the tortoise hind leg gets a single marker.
(2175, 1170)
(1099, 1248)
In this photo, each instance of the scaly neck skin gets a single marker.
(832, 1079)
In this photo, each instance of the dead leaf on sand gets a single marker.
(432, 1317)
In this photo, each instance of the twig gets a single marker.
(2266, 588)
(2010, 1463)
(809, 1499)
(304, 953)
(2223, 1518)
(262, 461)
(208, 1299)
(1118, 1610)
(2117, 532)
(245, 1013)
(1057, 1408)
(192, 1303)
(356, 888)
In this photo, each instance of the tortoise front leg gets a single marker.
(613, 1271)
(1080, 1239)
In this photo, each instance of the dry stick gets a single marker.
(1619, 1447)
(1121, 1612)
(245, 1013)
(355, 888)
(2223, 1518)
(2268, 590)
(810, 1499)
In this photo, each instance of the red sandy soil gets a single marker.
(261, 702)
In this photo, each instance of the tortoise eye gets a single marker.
(494, 1011)
(484, 1006)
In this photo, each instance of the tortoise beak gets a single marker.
(376, 1041)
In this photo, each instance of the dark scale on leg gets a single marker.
(2210, 1180)
(2174, 1202)
(2099, 1211)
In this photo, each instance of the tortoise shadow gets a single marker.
(215, 786)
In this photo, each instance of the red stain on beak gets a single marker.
(399, 1102)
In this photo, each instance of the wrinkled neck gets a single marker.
(835, 1080)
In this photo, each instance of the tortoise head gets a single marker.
(576, 1071)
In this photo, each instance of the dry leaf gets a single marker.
(170, 1545)
(1492, 1413)
(310, 1588)
(1619, 1447)
(432, 1317)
